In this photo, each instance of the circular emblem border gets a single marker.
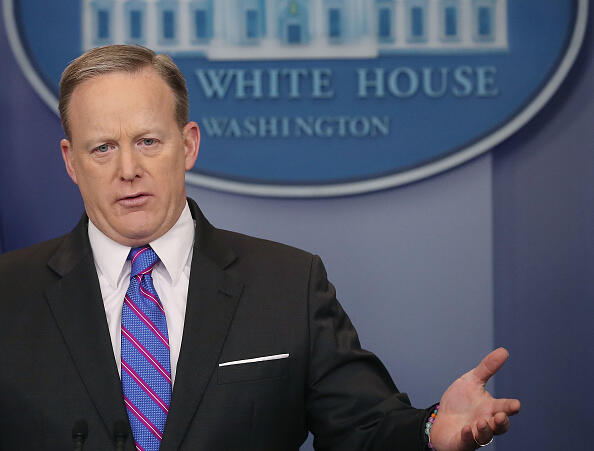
(350, 188)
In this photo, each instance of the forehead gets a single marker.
(121, 99)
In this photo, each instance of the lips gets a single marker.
(134, 200)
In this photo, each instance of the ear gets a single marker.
(67, 156)
(191, 137)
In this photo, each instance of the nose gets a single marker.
(130, 164)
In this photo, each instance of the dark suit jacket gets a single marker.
(247, 298)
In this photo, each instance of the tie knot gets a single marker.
(143, 260)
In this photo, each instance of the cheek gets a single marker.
(171, 169)
(93, 182)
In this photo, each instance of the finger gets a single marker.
(483, 434)
(467, 437)
(500, 423)
(490, 364)
(507, 406)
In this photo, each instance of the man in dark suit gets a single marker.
(260, 350)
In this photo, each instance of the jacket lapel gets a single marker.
(76, 303)
(77, 306)
(213, 297)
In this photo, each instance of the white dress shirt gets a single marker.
(171, 277)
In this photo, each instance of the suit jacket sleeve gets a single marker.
(352, 403)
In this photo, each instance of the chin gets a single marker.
(142, 235)
(138, 233)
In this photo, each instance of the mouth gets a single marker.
(134, 200)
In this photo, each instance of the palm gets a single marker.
(467, 410)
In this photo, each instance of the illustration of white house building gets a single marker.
(294, 29)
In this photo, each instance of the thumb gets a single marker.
(490, 364)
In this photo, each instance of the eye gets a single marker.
(102, 148)
(148, 141)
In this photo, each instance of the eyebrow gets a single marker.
(93, 142)
(147, 131)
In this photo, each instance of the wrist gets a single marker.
(429, 426)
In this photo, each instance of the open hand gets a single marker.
(468, 414)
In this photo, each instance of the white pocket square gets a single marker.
(255, 359)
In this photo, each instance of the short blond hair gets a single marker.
(122, 58)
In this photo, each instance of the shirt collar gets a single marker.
(173, 249)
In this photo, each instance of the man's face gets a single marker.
(128, 155)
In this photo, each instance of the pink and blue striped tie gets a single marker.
(146, 368)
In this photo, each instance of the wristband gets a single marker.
(429, 425)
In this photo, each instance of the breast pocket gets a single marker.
(253, 369)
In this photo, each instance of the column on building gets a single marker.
(271, 14)
(432, 23)
(183, 24)
(230, 27)
(219, 7)
(400, 14)
(500, 23)
(87, 25)
(356, 15)
(465, 16)
(118, 32)
(151, 24)
(318, 27)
